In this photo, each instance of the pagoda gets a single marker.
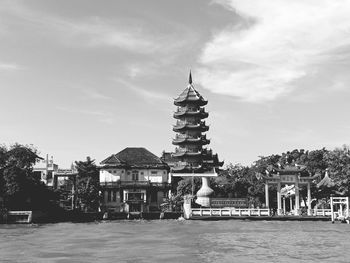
(193, 159)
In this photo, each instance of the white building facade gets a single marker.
(133, 180)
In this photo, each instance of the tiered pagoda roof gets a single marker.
(183, 126)
(184, 139)
(190, 95)
(191, 155)
(190, 112)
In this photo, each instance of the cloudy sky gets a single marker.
(81, 78)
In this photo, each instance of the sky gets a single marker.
(89, 78)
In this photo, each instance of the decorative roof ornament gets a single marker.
(326, 181)
(190, 95)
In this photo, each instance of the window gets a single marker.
(154, 196)
(135, 175)
(154, 172)
(141, 173)
(135, 196)
(114, 196)
(114, 171)
(109, 195)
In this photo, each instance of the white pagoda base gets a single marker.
(204, 193)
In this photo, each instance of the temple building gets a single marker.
(133, 180)
(193, 159)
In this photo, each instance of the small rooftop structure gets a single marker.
(326, 181)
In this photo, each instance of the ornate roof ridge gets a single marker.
(190, 94)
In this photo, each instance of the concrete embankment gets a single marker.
(262, 218)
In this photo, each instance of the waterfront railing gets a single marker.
(322, 212)
(230, 212)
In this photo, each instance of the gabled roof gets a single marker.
(135, 157)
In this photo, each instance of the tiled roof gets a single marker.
(190, 95)
(112, 160)
(134, 156)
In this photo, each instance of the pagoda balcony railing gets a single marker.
(186, 136)
(179, 123)
(184, 150)
(193, 110)
(180, 150)
(182, 136)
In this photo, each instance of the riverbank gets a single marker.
(84, 217)
(262, 218)
(81, 217)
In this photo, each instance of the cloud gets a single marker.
(148, 95)
(94, 94)
(94, 31)
(9, 67)
(101, 116)
(275, 44)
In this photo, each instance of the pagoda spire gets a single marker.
(190, 78)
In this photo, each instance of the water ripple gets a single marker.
(176, 241)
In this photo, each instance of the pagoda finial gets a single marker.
(190, 78)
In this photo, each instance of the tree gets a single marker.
(172, 203)
(188, 186)
(233, 181)
(17, 175)
(338, 162)
(88, 186)
(19, 188)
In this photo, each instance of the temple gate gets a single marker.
(289, 175)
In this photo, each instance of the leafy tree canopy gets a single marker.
(88, 187)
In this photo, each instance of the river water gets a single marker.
(176, 241)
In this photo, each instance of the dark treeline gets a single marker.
(22, 189)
